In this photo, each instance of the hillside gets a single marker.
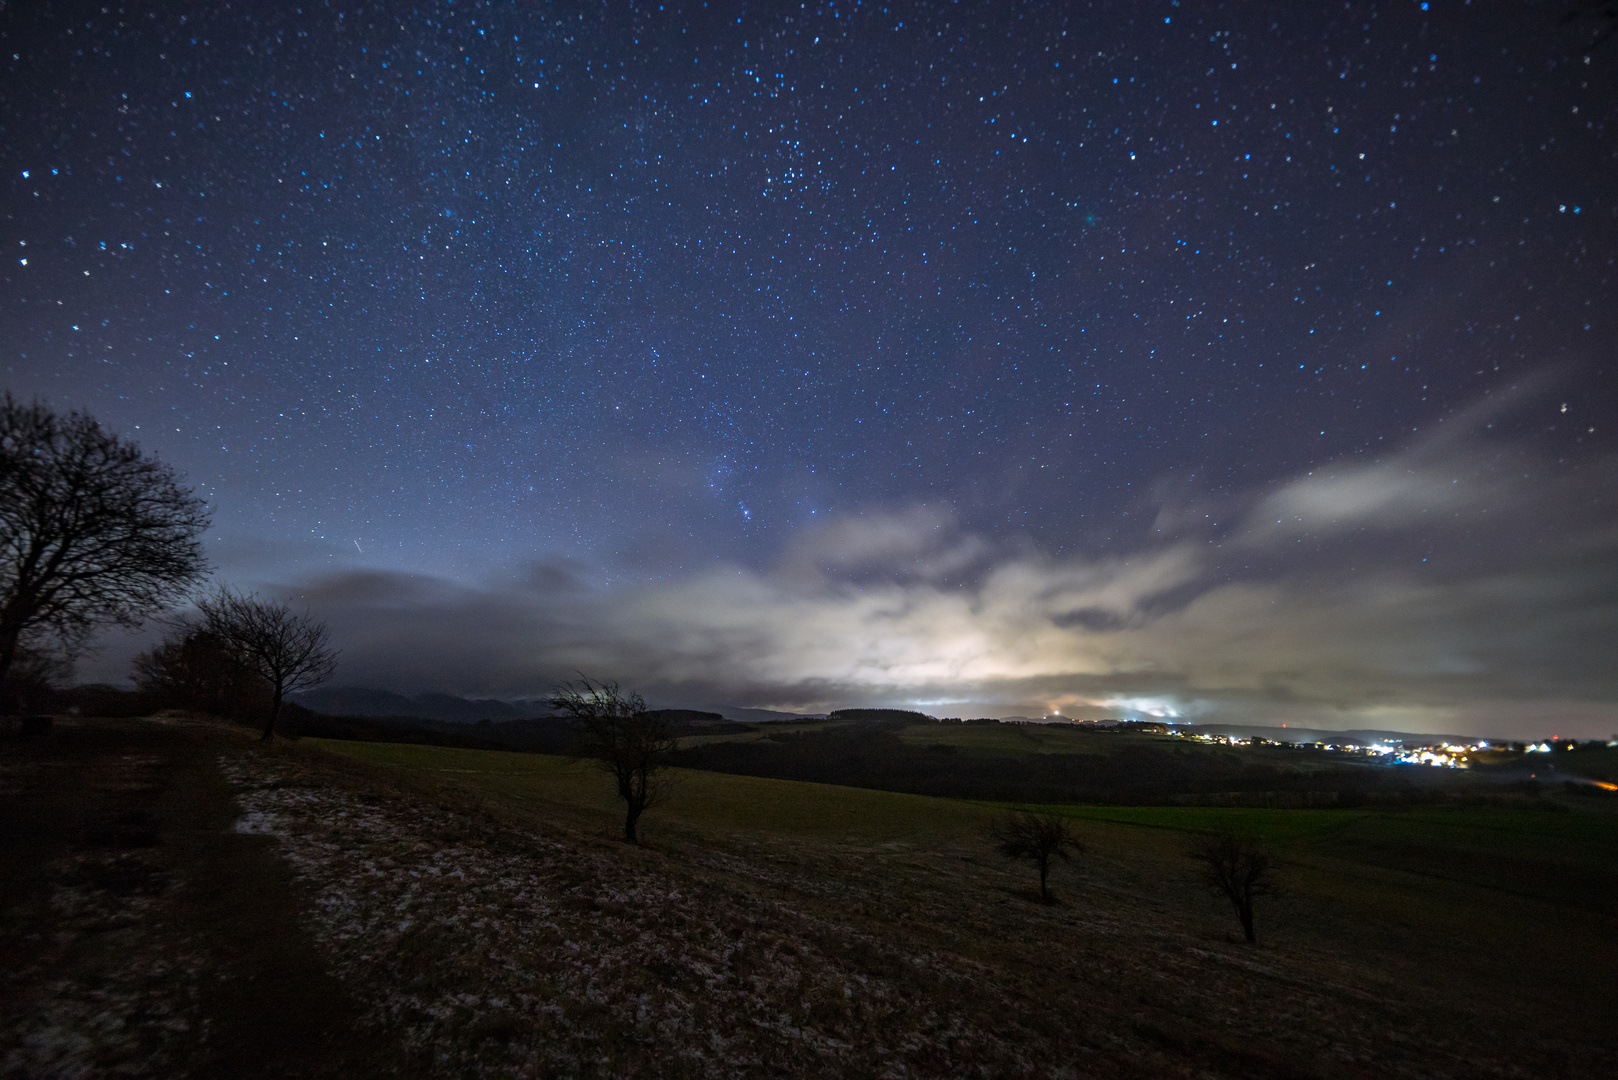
(448, 708)
(1062, 763)
(891, 750)
(456, 912)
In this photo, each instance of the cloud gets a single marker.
(888, 636)
(1454, 479)
(1460, 584)
(918, 543)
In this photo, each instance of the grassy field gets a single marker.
(196, 903)
(1461, 941)
(1011, 739)
(1067, 764)
(1000, 740)
(1040, 762)
(1565, 857)
(701, 805)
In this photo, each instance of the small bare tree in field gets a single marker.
(288, 651)
(1238, 868)
(91, 532)
(1036, 838)
(614, 729)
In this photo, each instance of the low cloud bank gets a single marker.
(1460, 585)
(1456, 586)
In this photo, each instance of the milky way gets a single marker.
(683, 336)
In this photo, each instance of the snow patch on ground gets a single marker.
(502, 953)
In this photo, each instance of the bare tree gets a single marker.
(614, 729)
(1240, 869)
(193, 669)
(91, 531)
(288, 651)
(1036, 838)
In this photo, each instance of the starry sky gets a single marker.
(1245, 362)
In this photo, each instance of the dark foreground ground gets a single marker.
(176, 901)
(140, 934)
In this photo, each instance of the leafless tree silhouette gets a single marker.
(91, 531)
(614, 729)
(288, 651)
(1036, 838)
(1240, 869)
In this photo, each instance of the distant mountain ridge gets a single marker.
(364, 701)
(450, 708)
(368, 703)
(764, 716)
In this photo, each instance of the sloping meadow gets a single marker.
(478, 906)
(501, 953)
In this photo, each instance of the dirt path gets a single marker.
(140, 934)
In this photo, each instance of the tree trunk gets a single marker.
(275, 711)
(8, 650)
(1044, 872)
(1245, 911)
(630, 819)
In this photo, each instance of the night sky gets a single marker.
(1243, 362)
